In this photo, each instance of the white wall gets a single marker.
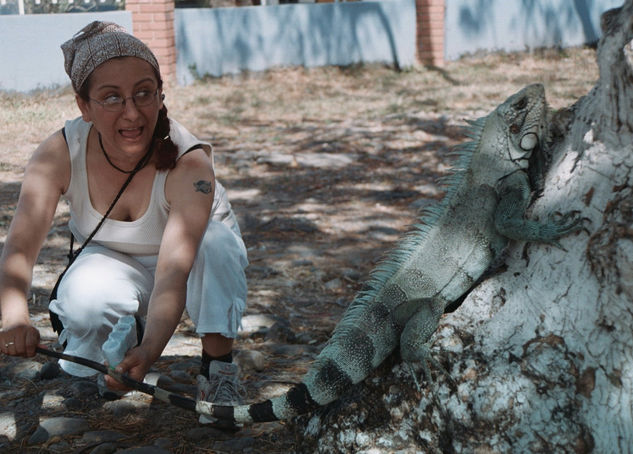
(30, 53)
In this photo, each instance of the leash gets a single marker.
(155, 391)
(159, 393)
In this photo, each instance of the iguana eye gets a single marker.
(520, 104)
(529, 141)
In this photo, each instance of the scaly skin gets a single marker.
(434, 265)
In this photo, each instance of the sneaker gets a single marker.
(223, 387)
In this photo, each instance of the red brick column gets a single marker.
(153, 22)
(430, 32)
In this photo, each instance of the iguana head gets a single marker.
(523, 118)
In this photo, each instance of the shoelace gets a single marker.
(227, 390)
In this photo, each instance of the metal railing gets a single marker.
(60, 5)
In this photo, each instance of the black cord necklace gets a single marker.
(138, 166)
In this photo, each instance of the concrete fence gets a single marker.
(219, 41)
(193, 42)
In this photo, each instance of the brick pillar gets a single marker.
(430, 31)
(153, 22)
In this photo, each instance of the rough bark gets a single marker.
(541, 354)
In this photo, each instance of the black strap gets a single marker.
(72, 255)
(193, 147)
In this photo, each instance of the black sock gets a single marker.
(206, 360)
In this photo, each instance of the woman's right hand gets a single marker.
(20, 340)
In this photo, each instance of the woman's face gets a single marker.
(126, 128)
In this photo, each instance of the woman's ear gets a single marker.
(83, 107)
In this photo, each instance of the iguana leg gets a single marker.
(414, 340)
(514, 197)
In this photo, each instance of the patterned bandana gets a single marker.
(97, 43)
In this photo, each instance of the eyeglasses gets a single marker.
(113, 103)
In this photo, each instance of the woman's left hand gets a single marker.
(136, 363)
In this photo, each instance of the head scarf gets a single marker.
(97, 43)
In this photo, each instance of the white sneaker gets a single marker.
(223, 387)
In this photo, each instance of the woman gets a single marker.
(169, 241)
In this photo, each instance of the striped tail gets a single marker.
(361, 341)
(295, 402)
(340, 365)
(325, 382)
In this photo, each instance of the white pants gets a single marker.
(103, 285)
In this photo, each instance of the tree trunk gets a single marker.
(541, 355)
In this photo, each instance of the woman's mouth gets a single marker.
(131, 133)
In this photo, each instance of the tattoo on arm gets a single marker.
(203, 186)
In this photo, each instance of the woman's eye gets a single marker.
(112, 99)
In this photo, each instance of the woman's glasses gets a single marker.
(142, 98)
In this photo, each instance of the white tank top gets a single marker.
(140, 237)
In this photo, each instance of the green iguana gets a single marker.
(434, 265)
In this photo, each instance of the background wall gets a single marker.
(491, 25)
(30, 53)
(220, 41)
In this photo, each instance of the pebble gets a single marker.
(249, 360)
(333, 284)
(105, 448)
(100, 436)
(234, 444)
(73, 404)
(254, 323)
(26, 369)
(177, 376)
(8, 428)
(163, 443)
(280, 332)
(50, 370)
(144, 450)
(205, 433)
(82, 388)
(52, 401)
(293, 349)
(123, 407)
(58, 426)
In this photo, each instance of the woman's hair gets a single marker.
(165, 150)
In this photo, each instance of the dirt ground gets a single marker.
(325, 169)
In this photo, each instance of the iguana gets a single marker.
(438, 261)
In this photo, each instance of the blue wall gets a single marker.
(30, 54)
(514, 25)
(229, 40)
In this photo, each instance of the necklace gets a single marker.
(138, 166)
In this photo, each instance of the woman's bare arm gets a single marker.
(46, 178)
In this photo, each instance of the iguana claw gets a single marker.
(424, 359)
(559, 225)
